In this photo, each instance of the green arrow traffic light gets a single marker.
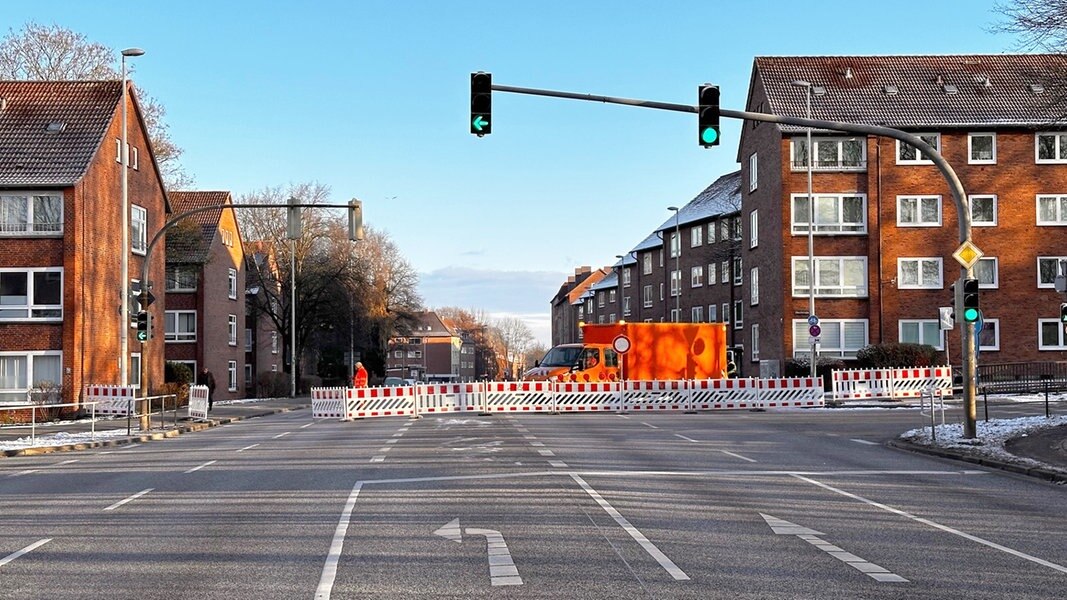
(479, 123)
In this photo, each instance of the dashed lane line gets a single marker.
(208, 463)
(26, 550)
(649, 425)
(248, 447)
(280, 435)
(130, 499)
(688, 439)
(735, 455)
(858, 441)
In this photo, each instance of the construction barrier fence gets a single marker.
(112, 399)
(891, 384)
(559, 397)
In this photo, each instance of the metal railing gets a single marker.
(34, 408)
(38, 410)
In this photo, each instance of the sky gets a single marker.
(371, 99)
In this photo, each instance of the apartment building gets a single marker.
(263, 342)
(568, 305)
(205, 300)
(435, 351)
(886, 224)
(61, 217)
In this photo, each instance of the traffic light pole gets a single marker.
(963, 207)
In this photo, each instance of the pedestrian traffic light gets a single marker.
(481, 103)
(708, 115)
(971, 312)
(142, 325)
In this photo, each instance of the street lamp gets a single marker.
(811, 228)
(622, 303)
(677, 255)
(124, 309)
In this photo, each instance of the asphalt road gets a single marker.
(788, 504)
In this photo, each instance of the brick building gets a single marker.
(263, 342)
(434, 352)
(568, 305)
(205, 292)
(60, 235)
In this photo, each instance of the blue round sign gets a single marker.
(813, 321)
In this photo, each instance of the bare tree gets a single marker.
(54, 53)
(477, 325)
(1040, 24)
(514, 339)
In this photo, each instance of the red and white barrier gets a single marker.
(644, 396)
(112, 399)
(443, 398)
(724, 394)
(588, 397)
(910, 383)
(795, 391)
(520, 396)
(890, 384)
(198, 404)
(362, 403)
(328, 403)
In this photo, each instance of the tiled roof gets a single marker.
(916, 92)
(721, 197)
(30, 155)
(184, 248)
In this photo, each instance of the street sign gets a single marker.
(967, 254)
(621, 344)
(946, 318)
(814, 340)
(813, 320)
(815, 330)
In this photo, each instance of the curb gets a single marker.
(145, 437)
(1045, 473)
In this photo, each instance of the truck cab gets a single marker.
(583, 363)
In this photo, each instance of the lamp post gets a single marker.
(677, 255)
(124, 308)
(811, 227)
(622, 303)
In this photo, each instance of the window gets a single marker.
(834, 213)
(135, 370)
(738, 277)
(138, 229)
(118, 150)
(753, 229)
(831, 154)
(227, 237)
(735, 225)
(835, 276)
(724, 229)
(697, 276)
(231, 320)
(1052, 210)
(755, 342)
(180, 326)
(646, 299)
(231, 372)
(181, 279)
(248, 375)
(989, 339)
(232, 282)
(919, 273)
(398, 354)
(698, 314)
(274, 342)
(725, 312)
(1050, 335)
(31, 294)
(248, 340)
(626, 306)
(661, 257)
(983, 210)
(611, 296)
(676, 249)
(31, 213)
(600, 299)
(737, 314)
(753, 176)
(982, 148)
(21, 371)
(724, 272)
(711, 273)
(985, 271)
(753, 285)
(840, 338)
(612, 318)
(918, 211)
(626, 277)
(676, 315)
(1048, 267)
(907, 154)
(713, 313)
(696, 236)
(711, 232)
(646, 264)
(1051, 147)
(921, 332)
(134, 158)
(676, 283)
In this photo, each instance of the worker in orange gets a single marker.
(359, 380)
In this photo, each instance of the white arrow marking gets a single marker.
(502, 569)
(782, 527)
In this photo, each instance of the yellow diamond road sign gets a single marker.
(967, 254)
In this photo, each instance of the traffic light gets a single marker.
(355, 220)
(708, 115)
(481, 103)
(293, 216)
(971, 312)
(142, 325)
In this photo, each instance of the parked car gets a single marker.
(394, 381)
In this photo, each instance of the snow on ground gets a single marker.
(991, 437)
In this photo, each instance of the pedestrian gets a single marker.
(206, 378)
(359, 380)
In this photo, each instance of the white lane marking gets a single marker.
(398, 435)
(127, 448)
(67, 462)
(385, 449)
(282, 435)
(623, 416)
(639, 537)
(783, 527)
(935, 525)
(391, 441)
(537, 444)
(329, 570)
(130, 499)
(308, 425)
(864, 442)
(648, 425)
(248, 447)
(20, 473)
(735, 455)
(378, 459)
(546, 453)
(688, 439)
(26, 550)
(559, 464)
(529, 437)
(210, 462)
(502, 569)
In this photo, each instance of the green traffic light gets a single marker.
(709, 135)
(971, 315)
(142, 336)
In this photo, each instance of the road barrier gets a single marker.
(565, 397)
(890, 384)
(198, 402)
(111, 399)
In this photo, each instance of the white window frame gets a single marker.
(231, 323)
(713, 313)
(697, 314)
(822, 291)
(1061, 212)
(134, 158)
(248, 374)
(996, 273)
(248, 339)
(31, 381)
(31, 306)
(739, 276)
(725, 312)
(32, 227)
(753, 229)
(676, 315)
(1056, 270)
(696, 236)
(711, 232)
(920, 158)
(173, 336)
(755, 342)
(696, 276)
(724, 272)
(175, 274)
(971, 160)
(626, 277)
(611, 296)
(274, 342)
(1057, 147)
(138, 229)
(1041, 346)
(971, 199)
(921, 284)
(711, 274)
(646, 264)
(600, 299)
(231, 282)
(753, 285)
(838, 164)
(676, 283)
(646, 296)
(675, 245)
(918, 201)
(987, 326)
(231, 372)
(625, 306)
(739, 315)
(828, 347)
(919, 324)
(753, 172)
(800, 227)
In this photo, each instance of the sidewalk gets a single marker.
(78, 435)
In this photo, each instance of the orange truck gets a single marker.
(656, 351)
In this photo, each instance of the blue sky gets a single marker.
(371, 99)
